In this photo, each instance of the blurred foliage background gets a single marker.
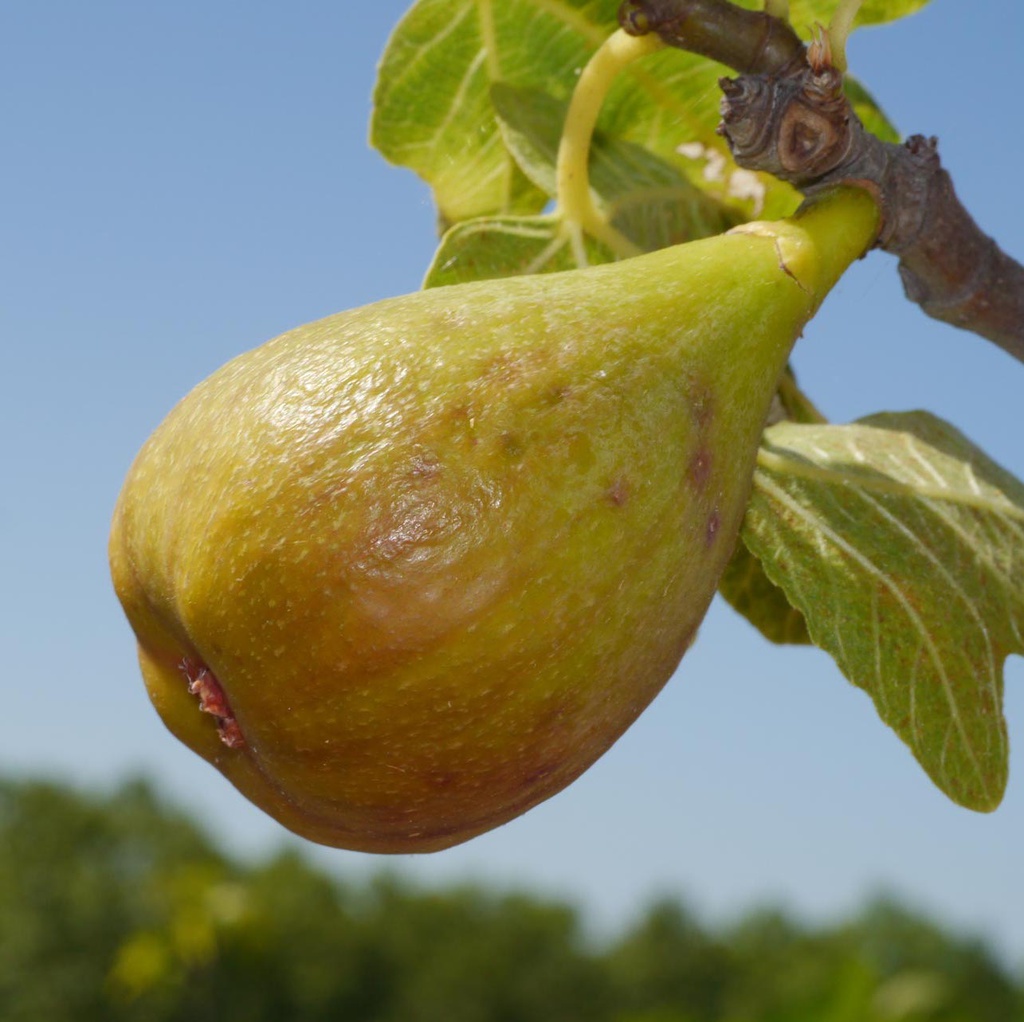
(118, 907)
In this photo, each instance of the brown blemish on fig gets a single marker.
(701, 403)
(213, 700)
(700, 468)
(714, 523)
(618, 492)
(540, 773)
(512, 445)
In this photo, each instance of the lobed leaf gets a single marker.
(902, 544)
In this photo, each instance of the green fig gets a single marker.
(423, 562)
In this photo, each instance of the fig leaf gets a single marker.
(902, 545)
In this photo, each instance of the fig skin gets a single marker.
(424, 561)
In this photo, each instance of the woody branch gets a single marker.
(787, 114)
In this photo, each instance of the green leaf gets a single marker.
(506, 247)
(794, 404)
(433, 110)
(748, 590)
(531, 122)
(874, 12)
(805, 13)
(648, 199)
(744, 585)
(902, 544)
(865, 107)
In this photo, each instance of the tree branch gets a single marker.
(787, 114)
(752, 42)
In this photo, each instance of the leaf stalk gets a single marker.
(839, 30)
(574, 199)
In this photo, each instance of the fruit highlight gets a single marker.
(423, 562)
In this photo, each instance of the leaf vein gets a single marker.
(952, 582)
(594, 34)
(789, 464)
(460, 93)
(867, 565)
(423, 49)
(928, 467)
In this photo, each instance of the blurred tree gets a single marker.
(120, 909)
(73, 877)
(788, 974)
(926, 973)
(667, 963)
(468, 956)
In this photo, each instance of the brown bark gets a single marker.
(748, 41)
(787, 114)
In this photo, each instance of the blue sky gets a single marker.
(183, 181)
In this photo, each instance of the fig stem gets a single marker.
(839, 29)
(574, 200)
(777, 9)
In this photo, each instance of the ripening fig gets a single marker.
(422, 562)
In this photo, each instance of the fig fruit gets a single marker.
(422, 562)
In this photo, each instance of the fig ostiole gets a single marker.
(405, 572)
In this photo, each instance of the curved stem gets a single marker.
(796, 405)
(839, 29)
(574, 200)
